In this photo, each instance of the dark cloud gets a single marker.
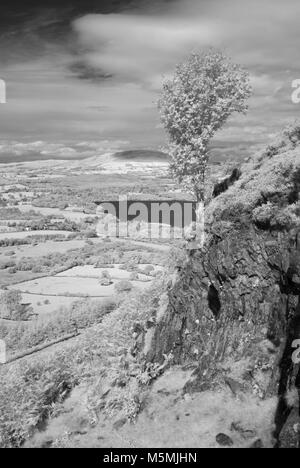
(86, 72)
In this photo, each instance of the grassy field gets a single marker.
(116, 272)
(48, 294)
(40, 250)
(70, 286)
(45, 304)
(34, 386)
(60, 279)
(24, 234)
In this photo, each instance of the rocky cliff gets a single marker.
(232, 311)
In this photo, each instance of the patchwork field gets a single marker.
(75, 216)
(58, 280)
(39, 250)
(47, 294)
(65, 286)
(44, 304)
(116, 273)
(68, 286)
(24, 234)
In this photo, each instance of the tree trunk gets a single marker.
(200, 211)
(197, 237)
(200, 222)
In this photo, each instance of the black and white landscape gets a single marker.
(149, 224)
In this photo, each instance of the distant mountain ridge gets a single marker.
(122, 156)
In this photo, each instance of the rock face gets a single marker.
(224, 184)
(237, 300)
(248, 277)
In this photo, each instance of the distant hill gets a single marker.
(8, 158)
(142, 155)
(124, 161)
(122, 156)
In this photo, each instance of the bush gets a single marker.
(148, 269)
(9, 302)
(269, 216)
(134, 276)
(105, 279)
(104, 265)
(90, 234)
(123, 286)
(10, 253)
(263, 215)
(7, 264)
(12, 270)
(37, 269)
(81, 314)
(269, 179)
(105, 275)
(11, 307)
(30, 389)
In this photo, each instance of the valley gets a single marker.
(51, 258)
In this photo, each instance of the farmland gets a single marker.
(47, 270)
(59, 281)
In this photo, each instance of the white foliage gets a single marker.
(194, 105)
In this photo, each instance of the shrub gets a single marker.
(7, 264)
(11, 307)
(263, 215)
(30, 389)
(265, 181)
(134, 276)
(177, 258)
(105, 279)
(104, 265)
(286, 219)
(269, 216)
(90, 234)
(12, 270)
(64, 321)
(123, 286)
(37, 269)
(9, 302)
(10, 253)
(105, 274)
(149, 269)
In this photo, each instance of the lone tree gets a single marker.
(203, 93)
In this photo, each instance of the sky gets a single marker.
(83, 76)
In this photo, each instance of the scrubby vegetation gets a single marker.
(35, 238)
(268, 190)
(8, 213)
(11, 307)
(30, 389)
(123, 286)
(80, 315)
(83, 191)
(98, 254)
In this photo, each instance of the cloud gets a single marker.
(140, 48)
(13, 150)
(136, 48)
(104, 83)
